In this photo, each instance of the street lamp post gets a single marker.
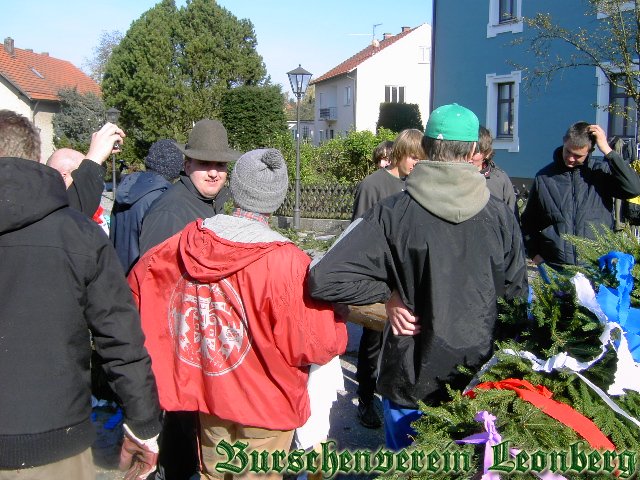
(299, 79)
(112, 117)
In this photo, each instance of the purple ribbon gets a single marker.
(491, 437)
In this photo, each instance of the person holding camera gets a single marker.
(574, 195)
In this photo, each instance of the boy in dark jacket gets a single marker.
(575, 194)
(135, 195)
(423, 243)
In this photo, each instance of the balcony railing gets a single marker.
(329, 113)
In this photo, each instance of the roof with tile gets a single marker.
(352, 63)
(40, 77)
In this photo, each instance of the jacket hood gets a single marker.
(29, 191)
(137, 185)
(453, 191)
(222, 245)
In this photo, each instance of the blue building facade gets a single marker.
(478, 63)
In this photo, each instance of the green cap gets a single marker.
(453, 122)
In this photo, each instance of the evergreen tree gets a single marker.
(216, 52)
(142, 80)
(253, 116)
(173, 67)
(80, 115)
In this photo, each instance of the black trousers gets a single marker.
(179, 456)
(366, 371)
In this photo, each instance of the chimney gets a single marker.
(28, 50)
(405, 29)
(8, 46)
(46, 54)
(387, 35)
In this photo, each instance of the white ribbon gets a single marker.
(627, 374)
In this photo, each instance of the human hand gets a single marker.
(538, 259)
(403, 322)
(600, 138)
(103, 142)
(138, 457)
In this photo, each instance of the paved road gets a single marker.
(346, 431)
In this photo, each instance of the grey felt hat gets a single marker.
(259, 181)
(208, 142)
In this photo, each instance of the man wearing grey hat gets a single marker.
(445, 249)
(236, 333)
(200, 191)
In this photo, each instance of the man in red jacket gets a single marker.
(229, 325)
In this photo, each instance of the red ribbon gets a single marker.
(540, 397)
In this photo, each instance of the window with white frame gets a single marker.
(305, 131)
(503, 96)
(504, 16)
(347, 95)
(615, 124)
(424, 54)
(393, 94)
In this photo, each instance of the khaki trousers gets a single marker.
(213, 429)
(78, 467)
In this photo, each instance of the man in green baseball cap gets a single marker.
(439, 254)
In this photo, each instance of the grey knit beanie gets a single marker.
(259, 181)
(165, 158)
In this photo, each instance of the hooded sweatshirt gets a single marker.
(450, 249)
(229, 325)
(135, 195)
(60, 279)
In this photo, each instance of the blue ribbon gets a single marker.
(616, 303)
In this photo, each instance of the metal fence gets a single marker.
(321, 201)
(336, 201)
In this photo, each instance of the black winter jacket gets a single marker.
(135, 195)
(60, 279)
(572, 201)
(450, 250)
(85, 191)
(179, 205)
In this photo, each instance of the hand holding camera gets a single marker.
(104, 142)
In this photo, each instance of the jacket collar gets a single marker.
(454, 191)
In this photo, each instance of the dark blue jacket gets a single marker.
(134, 196)
(574, 201)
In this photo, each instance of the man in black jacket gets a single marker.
(575, 194)
(83, 177)
(405, 151)
(60, 280)
(423, 243)
(199, 193)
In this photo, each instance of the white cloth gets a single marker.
(324, 383)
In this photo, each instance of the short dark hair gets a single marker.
(18, 137)
(446, 150)
(383, 150)
(578, 135)
(485, 142)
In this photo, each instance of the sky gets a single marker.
(317, 36)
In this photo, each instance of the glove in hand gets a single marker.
(138, 457)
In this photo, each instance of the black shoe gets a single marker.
(368, 415)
